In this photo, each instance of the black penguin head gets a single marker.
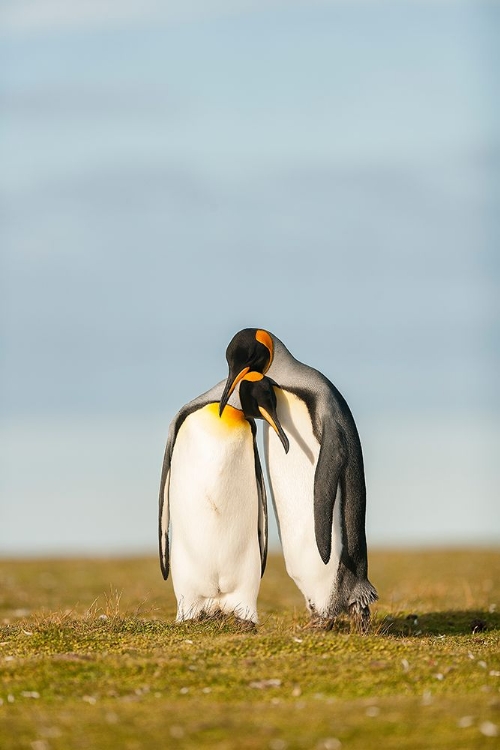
(258, 401)
(250, 350)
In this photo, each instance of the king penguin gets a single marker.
(213, 495)
(318, 487)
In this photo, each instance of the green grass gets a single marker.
(90, 658)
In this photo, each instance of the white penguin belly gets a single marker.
(292, 486)
(215, 554)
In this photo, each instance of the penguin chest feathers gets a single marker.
(213, 465)
(296, 421)
(292, 475)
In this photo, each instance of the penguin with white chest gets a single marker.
(318, 488)
(212, 494)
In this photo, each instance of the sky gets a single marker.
(172, 173)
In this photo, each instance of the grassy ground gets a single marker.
(90, 658)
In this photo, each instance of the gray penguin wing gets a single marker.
(211, 396)
(261, 490)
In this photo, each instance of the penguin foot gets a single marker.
(245, 626)
(360, 618)
(203, 616)
(320, 623)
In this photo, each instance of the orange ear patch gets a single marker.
(264, 338)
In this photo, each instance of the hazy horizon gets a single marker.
(329, 171)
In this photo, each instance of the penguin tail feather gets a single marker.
(363, 594)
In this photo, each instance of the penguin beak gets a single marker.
(275, 424)
(231, 384)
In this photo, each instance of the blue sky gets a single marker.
(328, 170)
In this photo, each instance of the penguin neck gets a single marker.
(283, 363)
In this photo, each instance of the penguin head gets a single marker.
(258, 401)
(250, 350)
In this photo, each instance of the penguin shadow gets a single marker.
(292, 430)
(448, 622)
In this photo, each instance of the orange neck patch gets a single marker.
(231, 417)
(253, 376)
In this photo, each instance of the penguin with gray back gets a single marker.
(212, 494)
(318, 488)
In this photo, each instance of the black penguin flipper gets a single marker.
(331, 462)
(164, 515)
(164, 511)
(261, 490)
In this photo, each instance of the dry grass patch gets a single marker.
(90, 658)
